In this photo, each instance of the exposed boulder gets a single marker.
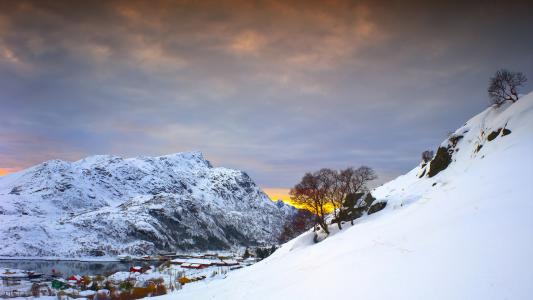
(355, 206)
(494, 134)
(377, 207)
(440, 162)
(506, 132)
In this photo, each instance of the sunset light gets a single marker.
(276, 194)
(5, 171)
(266, 149)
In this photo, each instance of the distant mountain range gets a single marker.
(108, 205)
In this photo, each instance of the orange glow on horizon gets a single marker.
(276, 194)
(282, 194)
(5, 171)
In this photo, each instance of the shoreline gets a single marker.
(46, 258)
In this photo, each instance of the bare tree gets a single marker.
(350, 181)
(329, 186)
(334, 186)
(504, 86)
(363, 175)
(343, 186)
(310, 194)
(328, 189)
(427, 156)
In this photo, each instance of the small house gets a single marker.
(230, 262)
(193, 266)
(75, 279)
(197, 263)
(136, 269)
(179, 261)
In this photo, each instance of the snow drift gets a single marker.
(466, 232)
(108, 205)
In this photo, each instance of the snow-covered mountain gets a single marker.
(107, 205)
(463, 230)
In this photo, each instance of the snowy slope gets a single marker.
(466, 233)
(110, 205)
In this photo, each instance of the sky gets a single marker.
(275, 88)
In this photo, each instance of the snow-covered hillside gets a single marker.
(464, 233)
(110, 205)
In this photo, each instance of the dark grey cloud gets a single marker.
(276, 88)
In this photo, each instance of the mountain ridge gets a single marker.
(111, 205)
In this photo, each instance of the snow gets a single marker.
(87, 293)
(466, 233)
(13, 273)
(200, 261)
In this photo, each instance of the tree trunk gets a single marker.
(325, 227)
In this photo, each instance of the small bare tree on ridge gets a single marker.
(504, 86)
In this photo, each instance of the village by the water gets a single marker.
(129, 277)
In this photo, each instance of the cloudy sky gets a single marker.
(276, 88)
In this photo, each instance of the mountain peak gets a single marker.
(141, 205)
(196, 156)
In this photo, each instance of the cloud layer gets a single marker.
(276, 88)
